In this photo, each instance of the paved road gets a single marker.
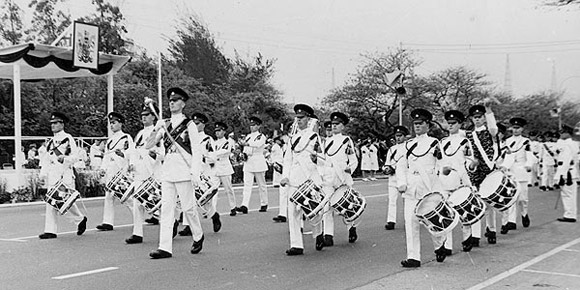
(248, 253)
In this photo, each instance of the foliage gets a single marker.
(23, 194)
(47, 22)
(112, 28)
(11, 22)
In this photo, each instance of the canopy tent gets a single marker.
(32, 61)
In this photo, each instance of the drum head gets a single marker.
(428, 203)
(460, 195)
(339, 193)
(491, 183)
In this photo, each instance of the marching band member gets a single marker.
(369, 160)
(394, 155)
(255, 166)
(208, 170)
(222, 149)
(548, 162)
(416, 177)
(56, 165)
(277, 156)
(567, 174)
(145, 163)
(299, 166)
(114, 160)
(535, 145)
(278, 164)
(179, 173)
(455, 149)
(340, 162)
(518, 161)
(485, 153)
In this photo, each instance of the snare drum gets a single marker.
(310, 198)
(348, 203)
(61, 197)
(205, 191)
(468, 205)
(499, 190)
(436, 214)
(148, 193)
(120, 184)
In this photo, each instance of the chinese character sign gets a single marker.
(86, 45)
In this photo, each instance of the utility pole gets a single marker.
(508, 75)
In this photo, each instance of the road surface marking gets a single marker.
(551, 273)
(572, 250)
(13, 240)
(522, 266)
(84, 273)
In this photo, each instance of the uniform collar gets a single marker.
(59, 134)
(480, 128)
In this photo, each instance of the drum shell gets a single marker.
(310, 199)
(348, 203)
(505, 190)
(439, 219)
(62, 205)
(470, 209)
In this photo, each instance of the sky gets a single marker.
(319, 44)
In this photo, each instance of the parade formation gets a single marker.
(171, 171)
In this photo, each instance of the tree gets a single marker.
(196, 53)
(368, 98)
(47, 23)
(112, 28)
(11, 22)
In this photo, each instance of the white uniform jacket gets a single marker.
(179, 163)
(394, 154)
(207, 159)
(454, 149)
(222, 148)
(417, 170)
(145, 165)
(518, 157)
(52, 170)
(117, 144)
(339, 155)
(298, 165)
(567, 169)
(255, 150)
(548, 154)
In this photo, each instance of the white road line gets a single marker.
(572, 250)
(551, 273)
(13, 240)
(85, 273)
(520, 267)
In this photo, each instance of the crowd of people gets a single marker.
(467, 177)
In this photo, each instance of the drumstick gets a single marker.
(557, 201)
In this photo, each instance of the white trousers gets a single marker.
(138, 217)
(329, 213)
(171, 190)
(109, 208)
(472, 230)
(547, 176)
(569, 200)
(51, 220)
(295, 223)
(226, 181)
(393, 194)
(283, 208)
(510, 214)
(413, 231)
(249, 182)
(276, 177)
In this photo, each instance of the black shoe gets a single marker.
(133, 239)
(105, 227)
(440, 254)
(467, 244)
(217, 224)
(82, 227)
(390, 226)
(263, 208)
(46, 236)
(536, 184)
(511, 226)
(475, 242)
(279, 219)
(529, 185)
(233, 212)
(549, 188)
(319, 242)
(152, 220)
(526, 221)
(196, 247)
(185, 232)
(160, 254)
(566, 220)
(276, 186)
(238, 209)
(294, 252)
(448, 252)
(175, 227)
(410, 263)
(243, 209)
(542, 188)
(328, 241)
(491, 236)
(352, 236)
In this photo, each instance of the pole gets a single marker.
(17, 123)
(109, 100)
(159, 85)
